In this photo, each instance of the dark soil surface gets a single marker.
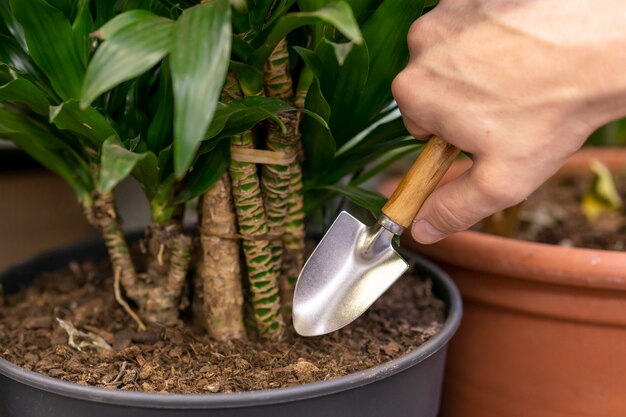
(183, 359)
(553, 215)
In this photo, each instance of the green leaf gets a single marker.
(104, 12)
(319, 145)
(385, 162)
(337, 14)
(12, 25)
(82, 28)
(65, 6)
(23, 91)
(342, 85)
(198, 75)
(155, 6)
(51, 44)
(364, 8)
(88, 123)
(118, 162)
(241, 115)
(369, 200)
(387, 55)
(377, 133)
(48, 149)
(250, 78)
(160, 129)
(131, 47)
(206, 171)
(122, 22)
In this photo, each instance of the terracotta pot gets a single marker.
(544, 328)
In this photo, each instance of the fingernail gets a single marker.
(425, 233)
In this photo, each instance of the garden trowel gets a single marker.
(354, 264)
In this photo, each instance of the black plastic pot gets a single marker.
(407, 386)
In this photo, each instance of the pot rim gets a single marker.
(581, 267)
(248, 398)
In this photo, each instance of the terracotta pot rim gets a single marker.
(581, 267)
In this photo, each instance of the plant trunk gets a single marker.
(279, 181)
(169, 256)
(256, 244)
(219, 297)
(102, 215)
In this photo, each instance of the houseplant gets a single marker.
(174, 94)
(543, 330)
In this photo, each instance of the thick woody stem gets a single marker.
(262, 275)
(102, 215)
(278, 180)
(218, 279)
(169, 256)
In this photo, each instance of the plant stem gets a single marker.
(256, 245)
(102, 215)
(218, 278)
(277, 180)
(262, 275)
(169, 256)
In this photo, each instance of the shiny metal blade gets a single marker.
(352, 266)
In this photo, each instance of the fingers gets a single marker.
(464, 201)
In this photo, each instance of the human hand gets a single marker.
(519, 85)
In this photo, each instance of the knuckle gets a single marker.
(400, 85)
(498, 192)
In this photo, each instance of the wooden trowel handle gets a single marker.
(420, 181)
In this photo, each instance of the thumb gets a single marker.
(463, 202)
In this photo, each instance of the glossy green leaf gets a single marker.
(118, 162)
(65, 6)
(338, 14)
(160, 129)
(88, 123)
(53, 49)
(198, 75)
(122, 22)
(241, 115)
(311, 5)
(155, 6)
(342, 85)
(49, 150)
(82, 28)
(381, 164)
(388, 55)
(369, 200)
(207, 169)
(11, 24)
(376, 134)
(104, 12)
(319, 145)
(131, 47)
(362, 9)
(257, 12)
(241, 49)
(250, 78)
(23, 91)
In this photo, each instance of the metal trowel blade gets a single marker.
(353, 265)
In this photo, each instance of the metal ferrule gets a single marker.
(390, 225)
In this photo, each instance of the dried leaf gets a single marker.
(602, 197)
